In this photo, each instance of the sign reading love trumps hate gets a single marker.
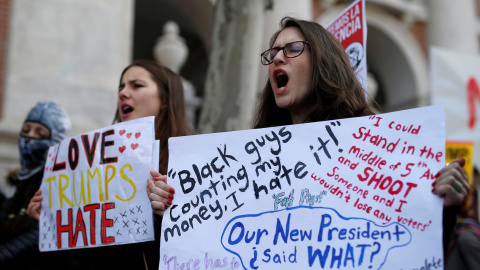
(344, 194)
(94, 188)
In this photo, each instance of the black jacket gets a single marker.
(19, 232)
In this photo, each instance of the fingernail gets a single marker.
(170, 196)
(169, 202)
(434, 183)
(172, 191)
(437, 175)
(433, 190)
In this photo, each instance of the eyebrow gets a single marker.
(136, 80)
(133, 80)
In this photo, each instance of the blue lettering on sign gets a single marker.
(315, 237)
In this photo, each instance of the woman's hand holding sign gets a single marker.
(159, 193)
(452, 183)
(33, 209)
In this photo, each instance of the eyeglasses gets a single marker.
(290, 50)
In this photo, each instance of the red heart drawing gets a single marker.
(129, 135)
(46, 169)
(134, 146)
(137, 134)
(51, 169)
(121, 149)
(122, 132)
(49, 155)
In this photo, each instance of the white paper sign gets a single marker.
(455, 83)
(94, 188)
(345, 194)
(350, 28)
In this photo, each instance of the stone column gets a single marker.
(230, 88)
(452, 25)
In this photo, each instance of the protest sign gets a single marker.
(455, 83)
(350, 28)
(462, 149)
(458, 149)
(94, 188)
(344, 194)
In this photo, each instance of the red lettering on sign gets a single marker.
(74, 227)
(91, 208)
(473, 93)
(64, 228)
(80, 227)
(107, 223)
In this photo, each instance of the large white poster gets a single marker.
(345, 194)
(455, 83)
(94, 188)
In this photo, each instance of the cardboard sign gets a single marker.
(455, 150)
(345, 194)
(94, 188)
(350, 28)
(455, 83)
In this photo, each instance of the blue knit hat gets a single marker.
(33, 152)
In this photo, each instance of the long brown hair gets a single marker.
(171, 120)
(337, 92)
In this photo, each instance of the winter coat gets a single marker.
(19, 232)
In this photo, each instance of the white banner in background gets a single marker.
(455, 83)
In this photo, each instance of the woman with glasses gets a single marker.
(310, 79)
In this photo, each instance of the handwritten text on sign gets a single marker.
(93, 188)
(344, 194)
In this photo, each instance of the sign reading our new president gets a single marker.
(94, 188)
(343, 194)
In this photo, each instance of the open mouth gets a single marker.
(281, 81)
(126, 109)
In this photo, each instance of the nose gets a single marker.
(31, 133)
(279, 58)
(124, 93)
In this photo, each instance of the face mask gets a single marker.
(33, 151)
(33, 154)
